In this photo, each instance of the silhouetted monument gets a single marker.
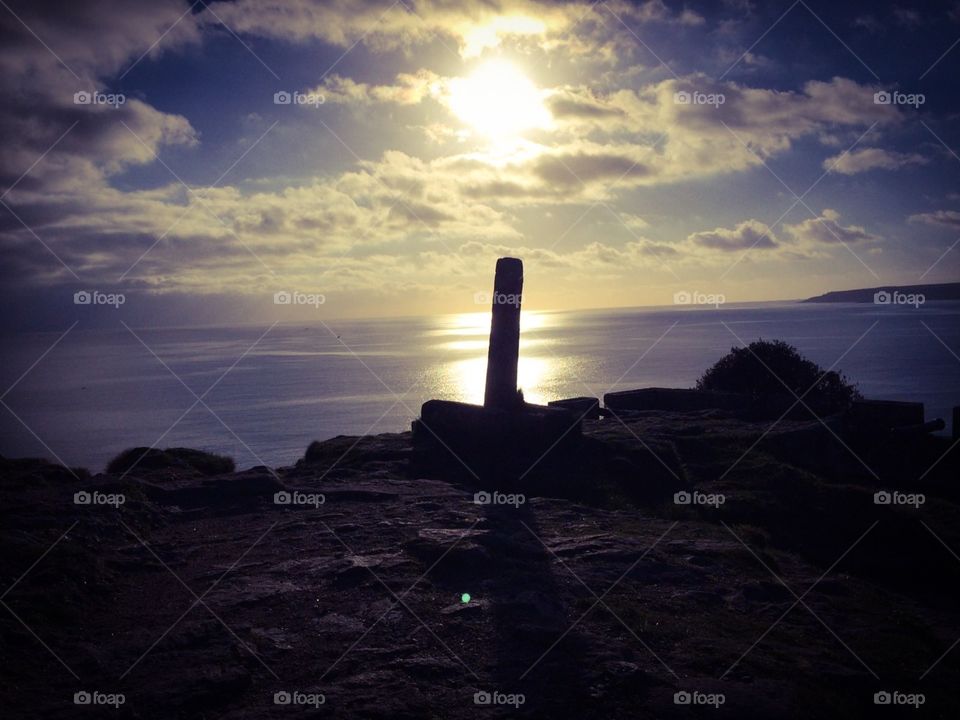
(505, 428)
(503, 355)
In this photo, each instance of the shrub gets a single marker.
(183, 458)
(764, 367)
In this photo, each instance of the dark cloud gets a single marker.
(827, 230)
(566, 170)
(567, 106)
(749, 234)
(83, 45)
(420, 213)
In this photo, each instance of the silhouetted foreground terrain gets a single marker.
(598, 597)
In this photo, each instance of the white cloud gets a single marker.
(395, 219)
(944, 218)
(473, 26)
(410, 89)
(827, 230)
(866, 159)
(646, 134)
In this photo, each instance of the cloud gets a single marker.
(677, 141)
(580, 103)
(804, 240)
(561, 170)
(394, 218)
(82, 143)
(944, 218)
(827, 230)
(224, 238)
(86, 41)
(907, 17)
(767, 120)
(746, 235)
(645, 133)
(594, 256)
(410, 89)
(771, 118)
(473, 26)
(866, 159)
(869, 23)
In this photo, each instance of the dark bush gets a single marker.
(146, 459)
(766, 368)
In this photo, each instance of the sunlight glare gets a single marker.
(469, 378)
(498, 101)
(466, 335)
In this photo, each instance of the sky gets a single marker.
(208, 162)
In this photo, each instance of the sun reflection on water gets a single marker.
(463, 346)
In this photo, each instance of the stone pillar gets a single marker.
(504, 351)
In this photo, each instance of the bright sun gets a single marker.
(498, 101)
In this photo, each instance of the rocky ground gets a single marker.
(597, 596)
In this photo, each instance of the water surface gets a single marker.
(101, 391)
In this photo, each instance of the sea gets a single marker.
(262, 393)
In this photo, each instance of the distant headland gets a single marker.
(942, 291)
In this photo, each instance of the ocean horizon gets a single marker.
(266, 393)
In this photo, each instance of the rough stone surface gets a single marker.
(597, 599)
